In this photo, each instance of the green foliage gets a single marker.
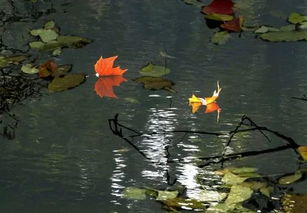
(65, 82)
(154, 70)
(220, 37)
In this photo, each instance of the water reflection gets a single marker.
(104, 85)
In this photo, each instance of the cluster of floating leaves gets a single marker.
(51, 40)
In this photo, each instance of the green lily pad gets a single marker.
(155, 83)
(154, 70)
(219, 17)
(8, 60)
(166, 195)
(45, 35)
(49, 25)
(237, 194)
(29, 69)
(296, 18)
(134, 193)
(65, 82)
(220, 37)
(265, 29)
(284, 36)
(37, 44)
(290, 178)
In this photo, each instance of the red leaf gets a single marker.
(104, 85)
(212, 108)
(46, 69)
(219, 6)
(104, 67)
(234, 25)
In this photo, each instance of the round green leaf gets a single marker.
(65, 82)
(284, 36)
(154, 70)
(296, 18)
(290, 178)
(220, 37)
(36, 45)
(48, 35)
(134, 193)
(29, 69)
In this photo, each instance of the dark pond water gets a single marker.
(64, 157)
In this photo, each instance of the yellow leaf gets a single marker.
(194, 99)
(303, 152)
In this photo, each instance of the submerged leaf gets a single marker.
(155, 83)
(154, 70)
(211, 196)
(166, 195)
(134, 193)
(29, 69)
(219, 6)
(296, 18)
(104, 85)
(65, 82)
(220, 37)
(284, 36)
(104, 67)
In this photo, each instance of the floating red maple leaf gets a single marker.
(104, 67)
(220, 7)
(104, 85)
(234, 25)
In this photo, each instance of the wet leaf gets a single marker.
(194, 99)
(155, 83)
(47, 69)
(65, 82)
(166, 195)
(104, 85)
(8, 60)
(296, 18)
(294, 203)
(45, 35)
(211, 196)
(290, 178)
(73, 41)
(265, 29)
(61, 70)
(195, 106)
(284, 36)
(303, 152)
(212, 107)
(29, 69)
(219, 6)
(220, 37)
(266, 190)
(237, 194)
(181, 203)
(154, 70)
(37, 45)
(234, 25)
(219, 17)
(254, 185)
(134, 193)
(50, 25)
(232, 179)
(104, 67)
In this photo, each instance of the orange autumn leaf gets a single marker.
(212, 108)
(104, 85)
(234, 25)
(195, 106)
(104, 67)
(303, 152)
(215, 95)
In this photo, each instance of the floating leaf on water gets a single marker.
(29, 69)
(181, 203)
(49, 25)
(73, 41)
(242, 170)
(295, 18)
(232, 179)
(220, 7)
(303, 152)
(265, 29)
(219, 17)
(37, 45)
(289, 27)
(302, 26)
(211, 196)
(7, 60)
(284, 36)
(234, 25)
(134, 193)
(45, 35)
(154, 70)
(237, 194)
(105, 67)
(166, 195)
(61, 70)
(65, 82)
(47, 69)
(254, 185)
(220, 37)
(290, 178)
(155, 83)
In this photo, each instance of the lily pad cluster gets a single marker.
(49, 39)
(151, 78)
(58, 75)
